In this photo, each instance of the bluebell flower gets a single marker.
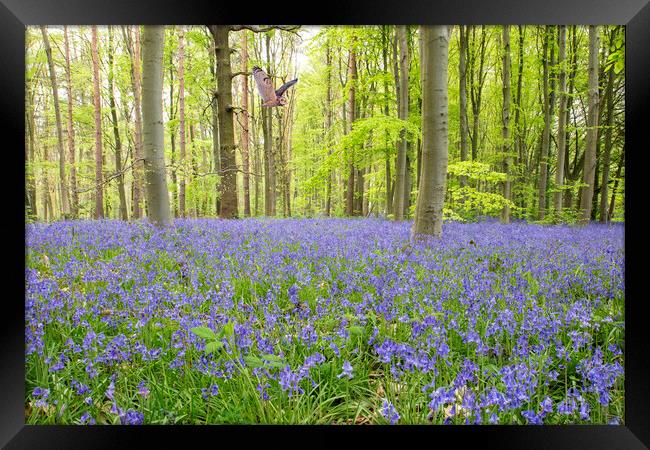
(389, 412)
(347, 370)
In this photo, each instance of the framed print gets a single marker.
(413, 217)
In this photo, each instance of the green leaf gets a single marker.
(204, 332)
(270, 357)
(229, 329)
(253, 361)
(213, 346)
(356, 330)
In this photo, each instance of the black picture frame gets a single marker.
(15, 15)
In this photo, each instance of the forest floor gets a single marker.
(323, 321)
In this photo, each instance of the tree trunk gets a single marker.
(389, 191)
(609, 101)
(462, 85)
(138, 163)
(116, 132)
(403, 104)
(181, 120)
(477, 88)
(589, 170)
(561, 133)
(352, 70)
(328, 127)
(74, 195)
(245, 134)
(519, 142)
(614, 189)
(543, 160)
(569, 175)
(30, 180)
(226, 129)
(99, 182)
(216, 153)
(269, 157)
(256, 157)
(505, 118)
(152, 125)
(65, 205)
(431, 196)
(172, 138)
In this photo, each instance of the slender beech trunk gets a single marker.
(181, 120)
(403, 105)
(589, 170)
(561, 133)
(152, 125)
(543, 160)
(99, 181)
(29, 153)
(74, 195)
(245, 133)
(352, 70)
(505, 119)
(269, 156)
(462, 86)
(476, 90)
(226, 127)
(389, 191)
(612, 203)
(328, 126)
(116, 132)
(609, 101)
(172, 138)
(431, 196)
(216, 153)
(256, 157)
(65, 205)
(519, 142)
(568, 196)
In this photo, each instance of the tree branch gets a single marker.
(258, 29)
(236, 74)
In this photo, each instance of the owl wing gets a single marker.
(264, 84)
(285, 86)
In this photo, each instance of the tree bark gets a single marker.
(462, 82)
(152, 126)
(133, 47)
(226, 128)
(389, 190)
(269, 157)
(589, 170)
(74, 195)
(65, 205)
(612, 203)
(99, 182)
(519, 138)
(561, 133)
(431, 195)
(352, 70)
(328, 126)
(476, 90)
(245, 133)
(505, 118)
(403, 104)
(609, 101)
(116, 132)
(181, 120)
(543, 160)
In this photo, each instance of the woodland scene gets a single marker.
(256, 224)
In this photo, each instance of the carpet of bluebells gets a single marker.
(328, 321)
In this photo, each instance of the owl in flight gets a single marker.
(270, 96)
